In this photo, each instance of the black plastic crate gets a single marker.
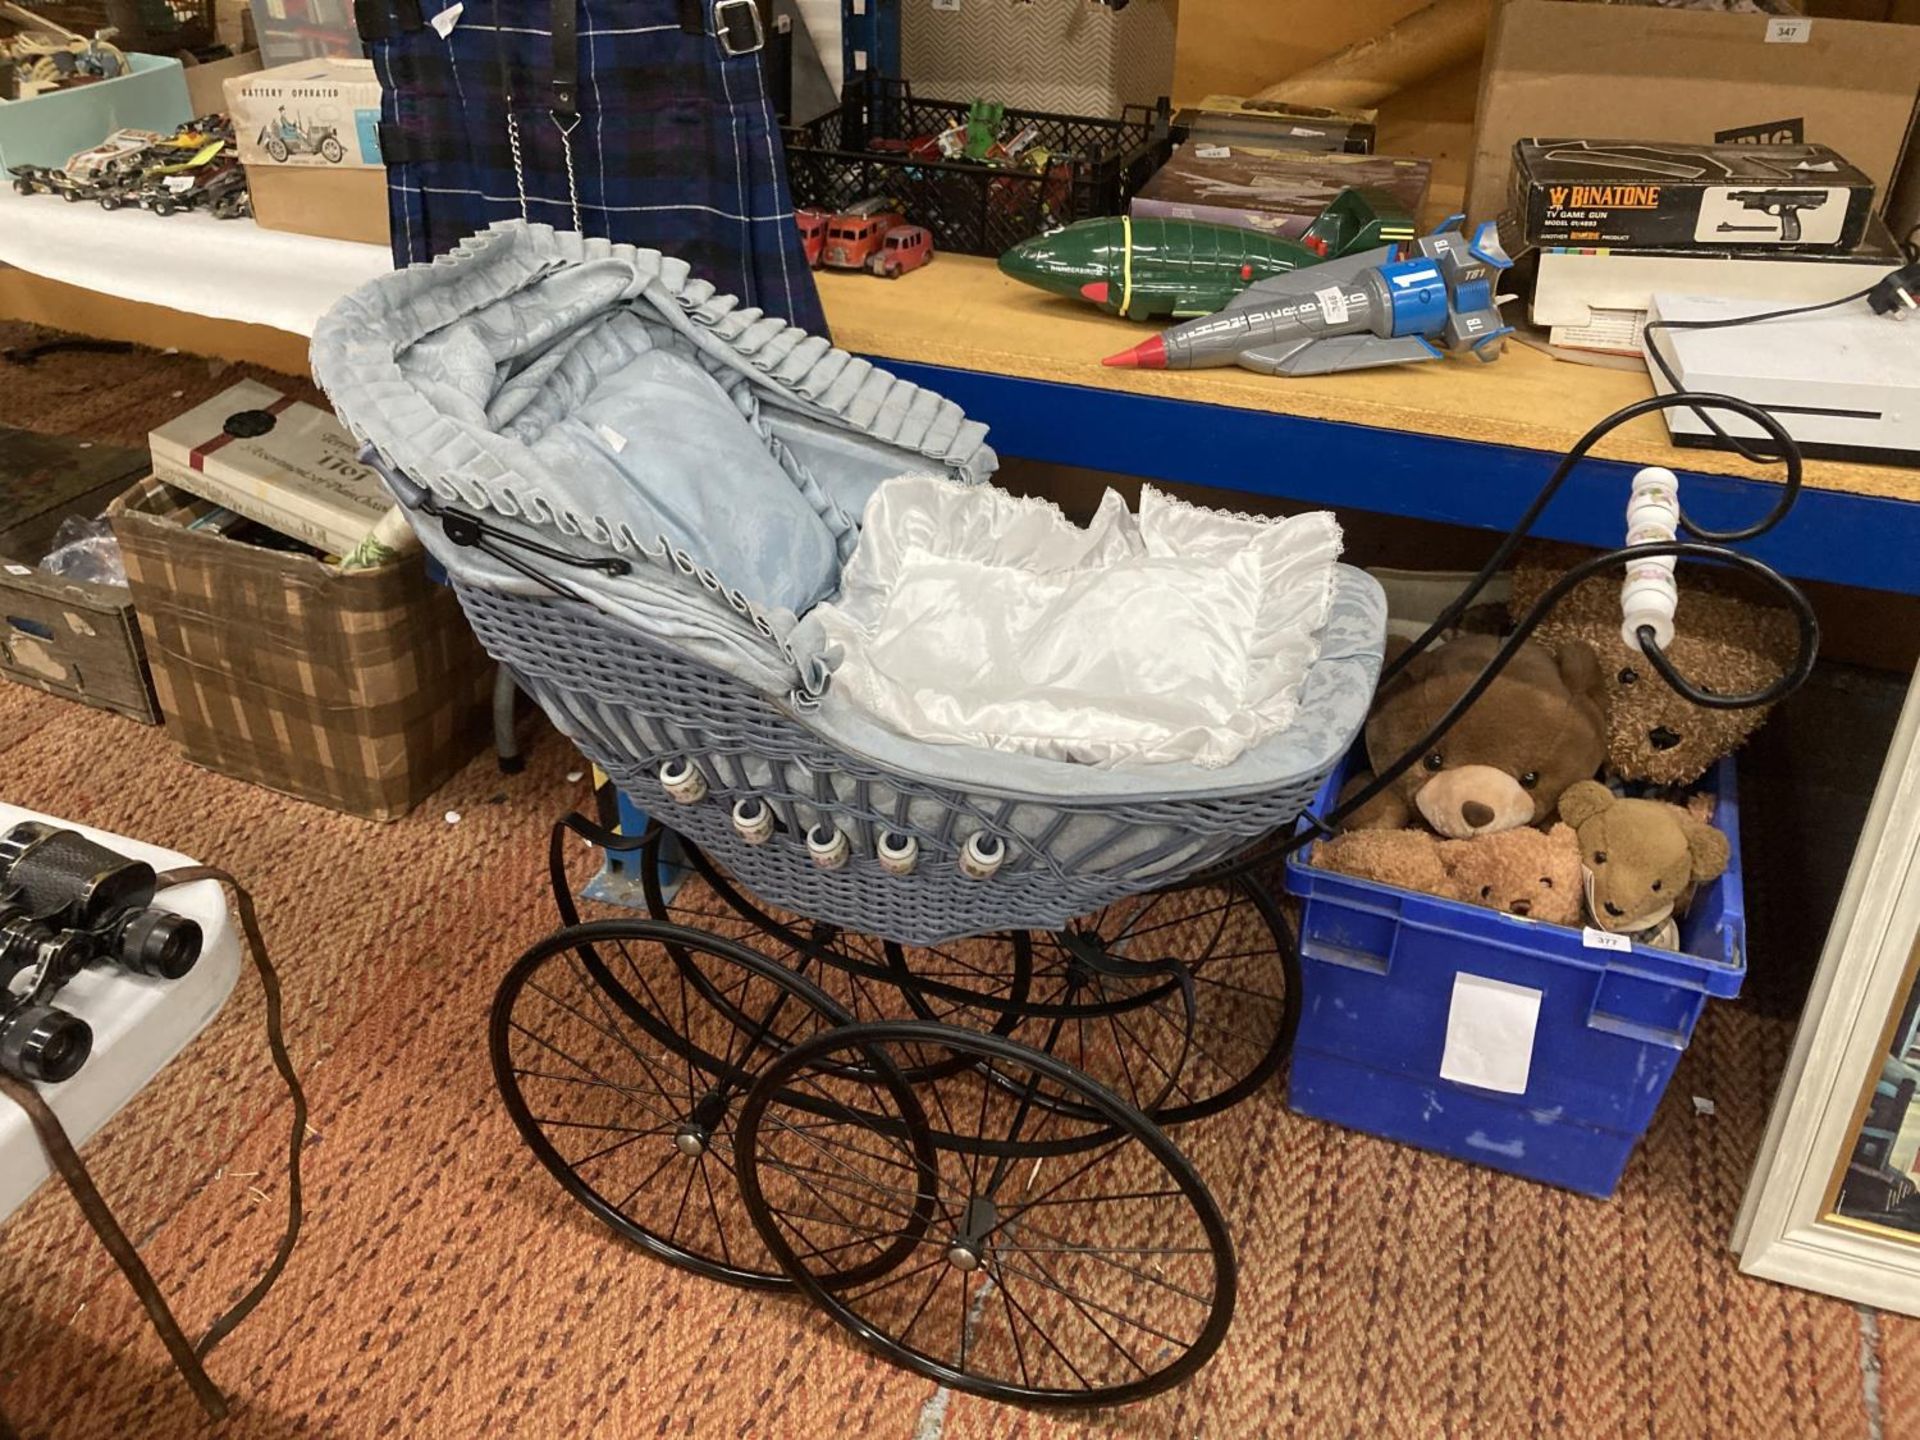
(1094, 166)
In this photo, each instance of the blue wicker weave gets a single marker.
(632, 705)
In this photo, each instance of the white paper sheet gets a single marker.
(1490, 1027)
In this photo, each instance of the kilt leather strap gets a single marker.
(566, 59)
(693, 17)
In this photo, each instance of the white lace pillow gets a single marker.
(969, 616)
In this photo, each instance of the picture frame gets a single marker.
(1825, 1208)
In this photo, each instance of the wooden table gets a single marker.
(1453, 440)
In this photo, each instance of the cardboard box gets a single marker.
(289, 465)
(321, 114)
(1061, 59)
(207, 82)
(1634, 193)
(362, 690)
(335, 204)
(1276, 191)
(72, 638)
(1639, 73)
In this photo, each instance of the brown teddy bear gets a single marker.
(1729, 636)
(1529, 872)
(1538, 728)
(1524, 872)
(1643, 860)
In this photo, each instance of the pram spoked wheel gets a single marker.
(1128, 1023)
(1131, 1029)
(624, 1077)
(1065, 1252)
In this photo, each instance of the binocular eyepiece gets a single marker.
(67, 902)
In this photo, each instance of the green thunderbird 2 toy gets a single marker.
(1148, 267)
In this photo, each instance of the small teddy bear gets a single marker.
(1535, 873)
(1405, 859)
(1535, 730)
(1526, 872)
(1642, 860)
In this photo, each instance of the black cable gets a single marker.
(1790, 492)
(1683, 549)
(1744, 448)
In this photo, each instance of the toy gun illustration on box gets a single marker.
(1784, 205)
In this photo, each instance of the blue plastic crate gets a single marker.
(1378, 968)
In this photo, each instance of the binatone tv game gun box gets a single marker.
(1620, 193)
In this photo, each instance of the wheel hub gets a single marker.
(970, 1244)
(695, 1133)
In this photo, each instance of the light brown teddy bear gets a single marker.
(1729, 636)
(1538, 728)
(1643, 860)
(1528, 872)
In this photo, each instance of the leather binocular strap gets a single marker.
(68, 1165)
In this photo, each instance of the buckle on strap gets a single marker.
(736, 23)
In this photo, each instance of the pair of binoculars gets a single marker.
(66, 903)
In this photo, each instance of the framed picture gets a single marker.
(1834, 1202)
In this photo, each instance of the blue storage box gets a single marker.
(1379, 967)
(50, 129)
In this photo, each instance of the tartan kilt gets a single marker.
(675, 147)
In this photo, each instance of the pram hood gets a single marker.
(488, 379)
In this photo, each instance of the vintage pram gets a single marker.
(909, 1035)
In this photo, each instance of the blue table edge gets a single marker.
(1831, 535)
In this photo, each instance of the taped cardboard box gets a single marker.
(362, 690)
(1631, 72)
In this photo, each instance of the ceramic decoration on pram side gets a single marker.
(653, 637)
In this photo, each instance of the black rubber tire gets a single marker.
(1249, 997)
